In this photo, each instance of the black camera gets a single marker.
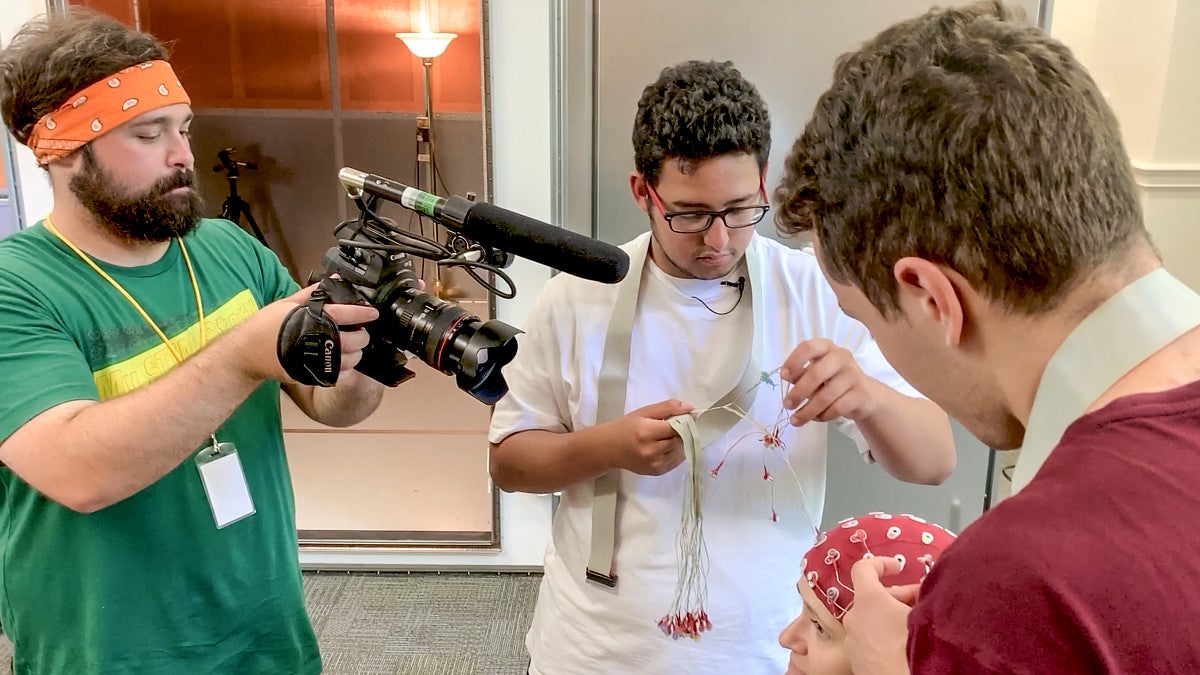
(373, 265)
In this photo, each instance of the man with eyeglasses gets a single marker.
(606, 374)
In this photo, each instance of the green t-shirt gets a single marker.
(147, 585)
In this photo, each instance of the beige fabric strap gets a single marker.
(685, 426)
(710, 424)
(1129, 327)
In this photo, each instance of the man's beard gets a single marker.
(151, 216)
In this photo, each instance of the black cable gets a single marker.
(420, 217)
(470, 268)
(740, 284)
(394, 230)
(437, 173)
(377, 227)
(987, 482)
(375, 246)
(470, 265)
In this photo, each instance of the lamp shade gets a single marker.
(427, 45)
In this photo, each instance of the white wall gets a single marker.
(1179, 132)
(522, 159)
(33, 184)
(1146, 59)
(16, 13)
(787, 49)
(1170, 175)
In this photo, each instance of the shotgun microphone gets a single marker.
(520, 235)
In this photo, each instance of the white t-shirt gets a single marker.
(680, 349)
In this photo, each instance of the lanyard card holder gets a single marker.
(224, 483)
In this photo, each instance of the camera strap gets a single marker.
(1125, 330)
(309, 347)
(710, 423)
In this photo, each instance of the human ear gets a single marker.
(928, 293)
(63, 169)
(637, 187)
(73, 160)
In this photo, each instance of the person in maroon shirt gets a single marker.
(971, 202)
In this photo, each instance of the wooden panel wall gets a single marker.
(275, 53)
(121, 10)
(379, 73)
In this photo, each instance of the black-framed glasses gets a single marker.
(693, 222)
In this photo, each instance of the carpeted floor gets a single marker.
(415, 624)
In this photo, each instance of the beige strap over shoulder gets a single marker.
(710, 424)
(1128, 328)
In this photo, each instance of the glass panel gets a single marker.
(9, 213)
(268, 79)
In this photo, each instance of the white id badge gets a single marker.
(224, 483)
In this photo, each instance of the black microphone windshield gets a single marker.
(555, 247)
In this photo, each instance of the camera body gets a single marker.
(441, 334)
(446, 337)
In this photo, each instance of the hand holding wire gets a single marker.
(827, 383)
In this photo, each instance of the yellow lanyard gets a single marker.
(158, 331)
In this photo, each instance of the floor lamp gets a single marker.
(427, 46)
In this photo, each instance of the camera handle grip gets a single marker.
(309, 347)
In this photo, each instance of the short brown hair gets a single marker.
(970, 138)
(53, 57)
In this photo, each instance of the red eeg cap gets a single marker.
(914, 542)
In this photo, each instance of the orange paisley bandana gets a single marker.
(104, 106)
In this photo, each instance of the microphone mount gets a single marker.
(495, 227)
(372, 264)
(459, 250)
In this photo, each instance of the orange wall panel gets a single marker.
(198, 33)
(274, 53)
(283, 51)
(379, 73)
(457, 83)
(121, 10)
(376, 71)
(458, 74)
(238, 54)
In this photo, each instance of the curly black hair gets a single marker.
(697, 110)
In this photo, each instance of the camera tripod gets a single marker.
(234, 207)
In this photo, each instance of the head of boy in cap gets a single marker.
(815, 637)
